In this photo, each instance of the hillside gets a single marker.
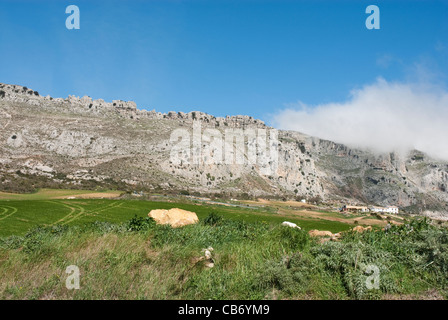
(85, 143)
(252, 260)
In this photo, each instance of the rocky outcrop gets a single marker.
(127, 109)
(319, 233)
(361, 229)
(174, 217)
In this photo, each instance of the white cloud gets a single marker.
(383, 117)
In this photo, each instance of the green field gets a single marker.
(139, 259)
(128, 257)
(24, 212)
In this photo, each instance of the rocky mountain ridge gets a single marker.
(126, 109)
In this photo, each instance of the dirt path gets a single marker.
(72, 210)
(295, 204)
(77, 211)
(97, 195)
(6, 214)
(77, 215)
(108, 207)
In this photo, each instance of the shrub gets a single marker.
(315, 200)
(291, 275)
(38, 240)
(140, 223)
(349, 262)
(212, 219)
(12, 242)
(290, 238)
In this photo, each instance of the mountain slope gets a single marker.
(84, 142)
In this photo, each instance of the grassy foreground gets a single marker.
(138, 259)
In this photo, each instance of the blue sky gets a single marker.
(220, 57)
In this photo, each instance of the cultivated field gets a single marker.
(49, 194)
(21, 212)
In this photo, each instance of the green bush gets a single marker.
(140, 223)
(212, 219)
(291, 275)
(289, 238)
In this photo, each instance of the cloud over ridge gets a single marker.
(383, 117)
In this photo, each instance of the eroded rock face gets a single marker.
(174, 217)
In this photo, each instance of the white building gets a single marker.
(389, 209)
(347, 208)
(392, 209)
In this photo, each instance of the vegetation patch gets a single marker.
(138, 259)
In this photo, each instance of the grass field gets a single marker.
(121, 255)
(18, 216)
(47, 207)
